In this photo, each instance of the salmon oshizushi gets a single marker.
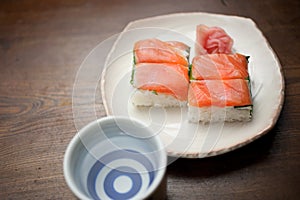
(232, 92)
(157, 51)
(211, 40)
(219, 89)
(160, 73)
(215, 87)
(219, 66)
(219, 100)
(160, 84)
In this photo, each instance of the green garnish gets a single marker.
(190, 72)
(245, 106)
(132, 76)
(133, 69)
(154, 92)
(134, 61)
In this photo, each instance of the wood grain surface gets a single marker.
(43, 43)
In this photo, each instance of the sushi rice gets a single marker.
(152, 98)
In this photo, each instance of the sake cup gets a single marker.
(116, 158)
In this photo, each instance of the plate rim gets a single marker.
(197, 154)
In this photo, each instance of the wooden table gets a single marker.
(43, 43)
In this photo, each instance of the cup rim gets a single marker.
(76, 140)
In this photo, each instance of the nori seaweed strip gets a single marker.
(133, 69)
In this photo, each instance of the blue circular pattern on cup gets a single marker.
(122, 171)
(127, 171)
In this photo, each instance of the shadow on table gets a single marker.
(243, 157)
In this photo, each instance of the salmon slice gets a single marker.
(157, 51)
(221, 93)
(162, 78)
(211, 40)
(179, 45)
(219, 66)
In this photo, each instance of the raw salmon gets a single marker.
(220, 93)
(180, 46)
(162, 78)
(157, 51)
(219, 66)
(211, 40)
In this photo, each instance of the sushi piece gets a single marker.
(210, 40)
(160, 84)
(219, 66)
(160, 73)
(219, 100)
(157, 51)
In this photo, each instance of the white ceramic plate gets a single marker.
(180, 137)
